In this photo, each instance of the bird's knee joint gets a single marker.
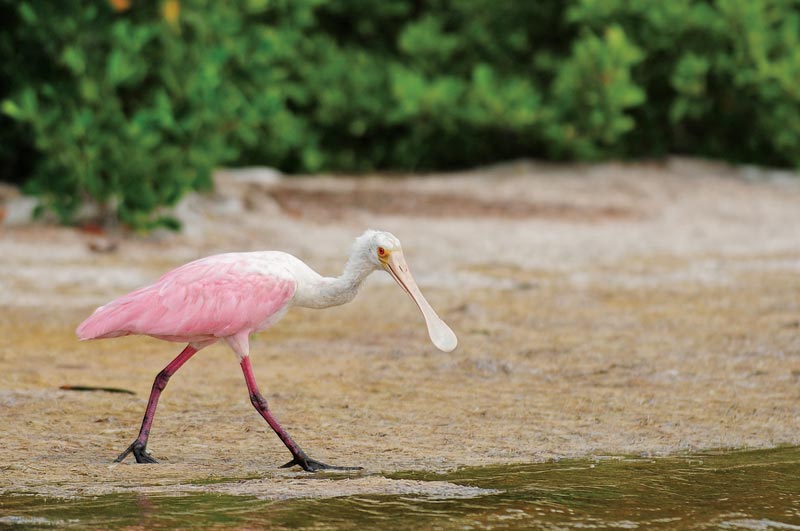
(161, 380)
(258, 401)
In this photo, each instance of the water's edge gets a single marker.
(757, 489)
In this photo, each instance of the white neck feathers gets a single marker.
(324, 292)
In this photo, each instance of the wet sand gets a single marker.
(646, 309)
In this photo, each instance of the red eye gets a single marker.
(381, 251)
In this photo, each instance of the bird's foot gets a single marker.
(139, 453)
(312, 465)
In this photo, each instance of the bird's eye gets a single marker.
(381, 252)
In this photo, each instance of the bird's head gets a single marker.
(383, 251)
(376, 246)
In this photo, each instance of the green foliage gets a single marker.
(127, 110)
(722, 79)
(130, 106)
(591, 92)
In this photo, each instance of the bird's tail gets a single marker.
(100, 325)
(112, 320)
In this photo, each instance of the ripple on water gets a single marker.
(755, 490)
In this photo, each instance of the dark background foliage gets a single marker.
(127, 104)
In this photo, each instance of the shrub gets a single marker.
(722, 79)
(126, 108)
(129, 104)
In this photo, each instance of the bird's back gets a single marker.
(213, 297)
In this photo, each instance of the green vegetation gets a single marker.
(130, 104)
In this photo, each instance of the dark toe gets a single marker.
(144, 457)
(312, 465)
(139, 452)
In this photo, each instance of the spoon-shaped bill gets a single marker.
(441, 335)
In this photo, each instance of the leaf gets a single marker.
(74, 59)
(11, 109)
(27, 13)
(120, 5)
(171, 10)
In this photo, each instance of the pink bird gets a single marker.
(230, 296)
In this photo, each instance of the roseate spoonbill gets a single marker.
(230, 296)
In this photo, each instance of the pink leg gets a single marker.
(139, 445)
(299, 457)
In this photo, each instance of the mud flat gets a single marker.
(646, 309)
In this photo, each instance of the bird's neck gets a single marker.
(333, 291)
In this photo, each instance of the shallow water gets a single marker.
(756, 490)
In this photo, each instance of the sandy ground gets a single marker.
(611, 309)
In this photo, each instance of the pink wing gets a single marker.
(218, 296)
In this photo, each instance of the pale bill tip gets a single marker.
(442, 336)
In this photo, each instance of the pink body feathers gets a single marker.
(203, 301)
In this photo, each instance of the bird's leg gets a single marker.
(299, 457)
(138, 447)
